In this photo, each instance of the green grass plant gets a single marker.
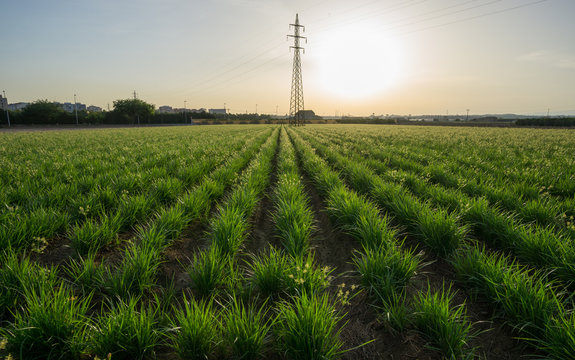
(127, 330)
(51, 324)
(86, 273)
(359, 218)
(559, 337)
(268, 272)
(210, 270)
(169, 222)
(135, 274)
(385, 271)
(527, 298)
(246, 329)
(196, 203)
(196, 332)
(19, 276)
(305, 276)
(443, 323)
(293, 216)
(133, 209)
(93, 235)
(165, 190)
(228, 230)
(309, 328)
(20, 228)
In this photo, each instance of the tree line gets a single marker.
(125, 112)
(552, 122)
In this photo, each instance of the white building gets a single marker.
(93, 108)
(165, 109)
(17, 106)
(218, 111)
(3, 103)
(70, 107)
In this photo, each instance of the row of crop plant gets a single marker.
(286, 303)
(532, 304)
(526, 164)
(527, 205)
(539, 247)
(435, 227)
(23, 229)
(127, 326)
(242, 327)
(385, 268)
(290, 270)
(533, 157)
(92, 235)
(308, 320)
(131, 327)
(137, 271)
(66, 168)
(556, 215)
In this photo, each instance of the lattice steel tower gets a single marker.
(296, 100)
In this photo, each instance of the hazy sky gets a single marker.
(362, 56)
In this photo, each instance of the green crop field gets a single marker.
(269, 242)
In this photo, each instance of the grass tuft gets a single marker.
(245, 329)
(446, 325)
(196, 329)
(51, 324)
(385, 271)
(210, 271)
(268, 272)
(129, 330)
(308, 328)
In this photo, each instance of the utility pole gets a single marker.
(256, 109)
(76, 109)
(185, 118)
(7, 113)
(467, 117)
(137, 115)
(296, 98)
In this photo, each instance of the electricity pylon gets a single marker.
(296, 100)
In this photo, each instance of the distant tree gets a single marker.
(94, 118)
(43, 112)
(133, 109)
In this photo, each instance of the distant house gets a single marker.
(165, 109)
(71, 107)
(218, 111)
(93, 108)
(308, 115)
(3, 103)
(18, 106)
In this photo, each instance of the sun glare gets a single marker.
(357, 61)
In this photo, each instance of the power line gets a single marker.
(401, 23)
(476, 17)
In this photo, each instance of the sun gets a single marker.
(357, 61)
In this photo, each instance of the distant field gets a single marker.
(261, 241)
